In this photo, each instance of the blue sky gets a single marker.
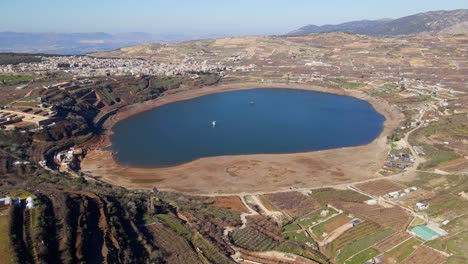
(200, 17)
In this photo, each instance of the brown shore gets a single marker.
(247, 173)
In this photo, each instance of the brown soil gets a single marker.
(336, 222)
(248, 173)
(380, 187)
(230, 202)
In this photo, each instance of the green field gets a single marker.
(456, 245)
(15, 79)
(363, 256)
(175, 225)
(319, 229)
(436, 155)
(5, 251)
(299, 236)
(210, 251)
(315, 217)
(403, 250)
(363, 243)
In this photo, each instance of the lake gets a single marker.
(256, 121)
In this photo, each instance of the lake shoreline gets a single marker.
(101, 162)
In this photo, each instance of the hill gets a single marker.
(436, 22)
(69, 43)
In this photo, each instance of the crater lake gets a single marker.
(256, 121)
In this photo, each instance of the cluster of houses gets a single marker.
(65, 158)
(403, 193)
(400, 161)
(7, 202)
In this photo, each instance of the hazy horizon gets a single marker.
(201, 18)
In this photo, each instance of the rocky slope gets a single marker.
(445, 22)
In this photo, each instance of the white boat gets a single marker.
(214, 124)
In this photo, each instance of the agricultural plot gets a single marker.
(332, 196)
(358, 245)
(392, 241)
(402, 251)
(446, 206)
(210, 251)
(360, 231)
(294, 204)
(363, 256)
(316, 217)
(252, 239)
(262, 225)
(425, 255)
(230, 202)
(330, 225)
(394, 217)
(456, 245)
(175, 248)
(5, 251)
(299, 236)
(380, 187)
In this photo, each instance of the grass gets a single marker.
(5, 250)
(363, 256)
(363, 243)
(404, 250)
(329, 196)
(349, 85)
(315, 217)
(436, 155)
(446, 205)
(15, 79)
(252, 239)
(293, 248)
(417, 221)
(357, 233)
(210, 251)
(319, 229)
(175, 225)
(299, 237)
(456, 245)
(22, 194)
(290, 227)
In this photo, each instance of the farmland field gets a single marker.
(174, 247)
(363, 243)
(456, 245)
(332, 196)
(264, 226)
(330, 225)
(392, 241)
(293, 203)
(380, 187)
(316, 217)
(252, 239)
(363, 256)
(230, 202)
(425, 255)
(394, 217)
(5, 253)
(360, 231)
(401, 252)
(210, 251)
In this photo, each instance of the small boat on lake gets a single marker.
(214, 124)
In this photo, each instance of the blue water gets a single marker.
(279, 121)
(424, 232)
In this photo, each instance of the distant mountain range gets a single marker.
(434, 22)
(78, 43)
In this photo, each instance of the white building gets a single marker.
(29, 203)
(422, 206)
